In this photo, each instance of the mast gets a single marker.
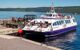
(52, 6)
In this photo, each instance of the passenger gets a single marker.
(40, 24)
(26, 22)
(44, 25)
(32, 23)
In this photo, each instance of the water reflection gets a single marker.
(62, 41)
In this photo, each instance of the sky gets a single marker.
(37, 3)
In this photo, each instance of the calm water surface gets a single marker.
(9, 14)
(70, 41)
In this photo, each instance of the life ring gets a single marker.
(20, 32)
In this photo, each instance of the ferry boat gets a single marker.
(50, 24)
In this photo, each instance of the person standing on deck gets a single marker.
(20, 23)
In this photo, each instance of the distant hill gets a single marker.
(70, 9)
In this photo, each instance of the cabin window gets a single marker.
(48, 14)
(58, 23)
(67, 21)
(54, 15)
(54, 24)
(61, 22)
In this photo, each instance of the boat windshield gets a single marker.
(48, 14)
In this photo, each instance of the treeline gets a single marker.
(70, 9)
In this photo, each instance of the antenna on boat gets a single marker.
(52, 6)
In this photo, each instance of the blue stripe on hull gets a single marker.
(61, 31)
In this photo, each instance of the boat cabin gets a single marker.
(52, 15)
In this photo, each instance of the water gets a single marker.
(10, 14)
(70, 41)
